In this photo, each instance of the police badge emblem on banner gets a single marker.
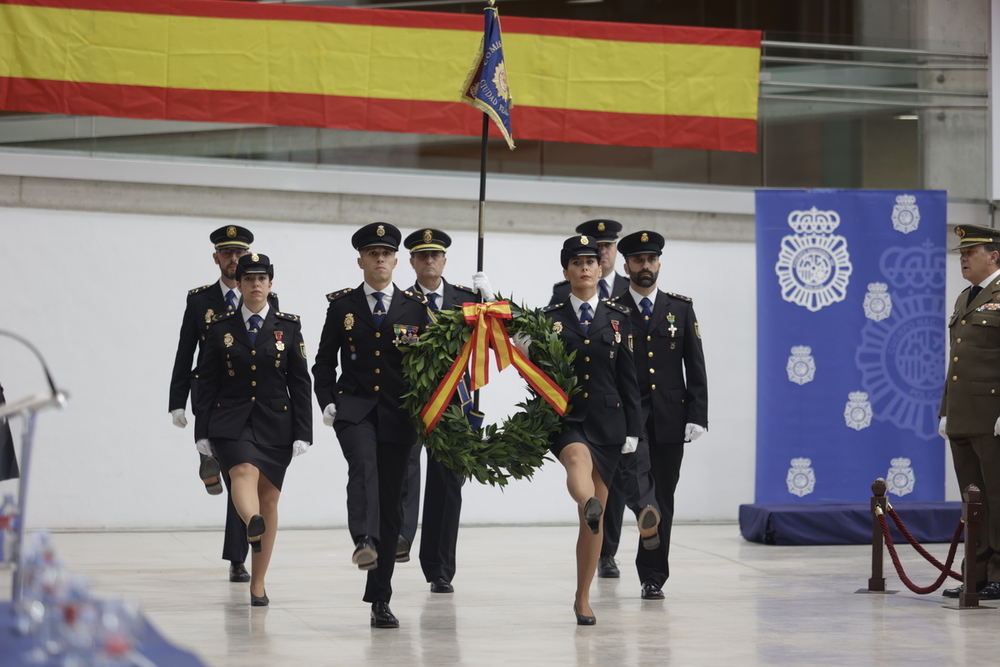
(486, 86)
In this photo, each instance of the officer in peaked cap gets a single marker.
(230, 242)
(605, 232)
(970, 410)
(673, 384)
(443, 491)
(359, 384)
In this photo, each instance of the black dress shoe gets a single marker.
(439, 585)
(382, 616)
(955, 592)
(990, 591)
(607, 568)
(649, 519)
(402, 550)
(592, 512)
(365, 554)
(238, 573)
(254, 530)
(259, 601)
(210, 475)
(651, 591)
(584, 620)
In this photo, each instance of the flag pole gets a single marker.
(483, 154)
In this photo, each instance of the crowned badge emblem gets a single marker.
(906, 214)
(380, 231)
(601, 227)
(255, 257)
(584, 240)
(428, 236)
(900, 478)
(878, 302)
(644, 238)
(801, 479)
(500, 81)
(801, 366)
(858, 411)
(231, 232)
(814, 266)
(209, 315)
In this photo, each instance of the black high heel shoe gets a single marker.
(254, 530)
(584, 620)
(259, 601)
(592, 512)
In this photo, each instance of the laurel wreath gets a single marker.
(518, 446)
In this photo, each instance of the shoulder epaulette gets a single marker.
(287, 316)
(333, 296)
(272, 295)
(416, 296)
(561, 283)
(223, 316)
(680, 296)
(470, 290)
(199, 289)
(552, 307)
(614, 305)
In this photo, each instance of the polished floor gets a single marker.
(728, 602)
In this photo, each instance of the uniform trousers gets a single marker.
(442, 512)
(665, 465)
(375, 471)
(633, 487)
(977, 461)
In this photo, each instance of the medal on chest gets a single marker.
(618, 334)
(672, 329)
(405, 334)
(348, 321)
(278, 343)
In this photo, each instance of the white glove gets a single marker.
(996, 427)
(180, 421)
(329, 414)
(482, 285)
(943, 428)
(692, 432)
(522, 341)
(299, 447)
(631, 442)
(204, 447)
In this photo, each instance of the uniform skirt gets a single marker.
(271, 460)
(605, 457)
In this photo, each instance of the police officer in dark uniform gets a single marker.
(970, 405)
(443, 492)
(670, 366)
(605, 418)
(610, 283)
(8, 459)
(253, 408)
(366, 327)
(204, 303)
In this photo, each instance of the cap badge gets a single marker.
(584, 240)
(428, 237)
(600, 226)
(255, 257)
(960, 232)
(644, 238)
(380, 232)
(231, 232)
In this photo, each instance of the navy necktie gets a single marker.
(379, 312)
(231, 300)
(255, 322)
(973, 293)
(647, 311)
(602, 285)
(432, 298)
(585, 316)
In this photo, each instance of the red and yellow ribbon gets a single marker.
(488, 333)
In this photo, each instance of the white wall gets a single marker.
(101, 295)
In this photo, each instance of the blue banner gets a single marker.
(486, 86)
(850, 344)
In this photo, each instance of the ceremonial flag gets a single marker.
(377, 70)
(486, 87)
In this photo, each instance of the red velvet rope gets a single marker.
(923, 552)
(945, 569)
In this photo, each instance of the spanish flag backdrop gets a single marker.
(377, 70)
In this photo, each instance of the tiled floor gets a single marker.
(729, 602)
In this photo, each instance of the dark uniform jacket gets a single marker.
(203, 304)
(665, 354)
(371, 360)
(971, 400)
(607, 408)
(267, 381)
(560, 291)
